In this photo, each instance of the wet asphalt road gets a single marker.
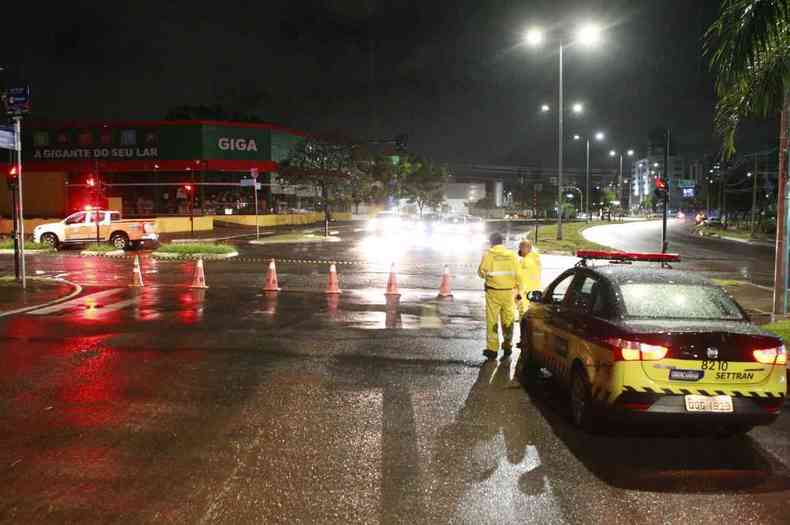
(716, 257)
(229, 405)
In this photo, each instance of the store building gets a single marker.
(147, 168)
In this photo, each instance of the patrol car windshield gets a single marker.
(678, 301)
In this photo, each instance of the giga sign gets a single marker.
(233, 144)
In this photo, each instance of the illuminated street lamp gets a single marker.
(545, 108)
(577, 107)
(587, 35)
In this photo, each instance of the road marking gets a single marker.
(77, 289)
(79, 301)
(120, 304)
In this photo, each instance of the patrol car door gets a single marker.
(76, 227)
(558, 323)
(590, 310)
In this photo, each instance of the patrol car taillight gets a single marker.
(626, 350)
(771, 356)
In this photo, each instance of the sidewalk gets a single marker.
(39, 291)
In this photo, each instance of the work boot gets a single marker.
(505, 354)
(489, 354)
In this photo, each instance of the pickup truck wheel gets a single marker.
(120, 241)
(50, 240)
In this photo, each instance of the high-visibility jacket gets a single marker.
(499, 267)
(530, 273)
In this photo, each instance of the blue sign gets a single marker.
(7, 138)
(17, 100)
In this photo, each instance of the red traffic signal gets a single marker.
(12, 176)
(91, 182)
(661, 184)
(188, 187)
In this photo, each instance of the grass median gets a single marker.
(780, 328)
(572, 238)
(8, 244)
(295, 238)
(190, 248)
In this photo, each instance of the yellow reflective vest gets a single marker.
(500, 269)
(530, 273)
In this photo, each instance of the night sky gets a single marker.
(454, 75)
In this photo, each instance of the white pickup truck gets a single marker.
(81, 227)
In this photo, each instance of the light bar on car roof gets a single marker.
(628, 256)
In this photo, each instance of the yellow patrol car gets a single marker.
(640, 342)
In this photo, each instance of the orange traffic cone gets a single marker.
(137, 274)
(334, 286)
(444, 287)
(271, 279)
(200, 276)
(392, 282)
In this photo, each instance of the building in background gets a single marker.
(143, 167)
(460, 195)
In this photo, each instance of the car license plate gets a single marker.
(708, 403)
(686, 375)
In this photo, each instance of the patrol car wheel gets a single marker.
(581, 401)
(120, 241)
(50, 240)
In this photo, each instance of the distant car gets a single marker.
(385, 221)
(81, 228)
(652, 344)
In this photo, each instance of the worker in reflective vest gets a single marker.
(529, 280)
(500, 269)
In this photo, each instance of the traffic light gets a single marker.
(12, 176)
(661, 189)
(91, 182)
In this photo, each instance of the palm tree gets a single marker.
(749, 50)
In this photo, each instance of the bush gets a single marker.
(196, 247)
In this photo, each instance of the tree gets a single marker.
(327, 166)
(374, 177)
(422, 182)
(749, 50)
(203, 112)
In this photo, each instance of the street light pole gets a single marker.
(560, 110)
(587, 180)
(620, 181)
(754, 195)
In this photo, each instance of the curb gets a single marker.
(205, 256)
(113, 253)
(6, 251)
(77, 290)
(302, 241)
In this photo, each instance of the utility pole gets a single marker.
(20, 213)
(560, 138)
(664, 241)
(754, 195)
(780, 261)
(587, 173)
